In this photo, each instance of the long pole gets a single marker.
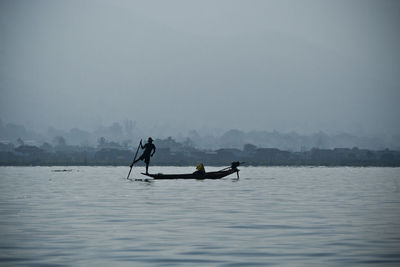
(134, 158)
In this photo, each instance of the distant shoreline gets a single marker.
(34, 156)
(397, 165)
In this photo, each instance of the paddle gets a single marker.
(239, 163)
(137, 150)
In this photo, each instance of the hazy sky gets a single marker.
(285, 65)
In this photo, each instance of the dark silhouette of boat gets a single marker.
(200, 176)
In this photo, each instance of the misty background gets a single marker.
(203, 70)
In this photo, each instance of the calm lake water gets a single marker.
(270, 216)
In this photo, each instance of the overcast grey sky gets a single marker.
(285, 65)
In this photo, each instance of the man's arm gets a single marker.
(154, 150)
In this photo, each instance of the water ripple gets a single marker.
(271, 216)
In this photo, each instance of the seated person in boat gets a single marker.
(200, 169)
(149, 150)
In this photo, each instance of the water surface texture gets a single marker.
(270, 216)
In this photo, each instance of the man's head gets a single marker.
(150, 140)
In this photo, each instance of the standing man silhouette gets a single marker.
(149, 150)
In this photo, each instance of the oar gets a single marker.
(237, 172)
(137, 150)
(240, 163)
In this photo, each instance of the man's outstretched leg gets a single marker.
(134, 162)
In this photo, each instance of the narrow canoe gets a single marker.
(207, 175)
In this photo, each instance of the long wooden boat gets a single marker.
(208, 175)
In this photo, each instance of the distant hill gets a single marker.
(127, 135)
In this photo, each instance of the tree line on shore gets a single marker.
(171, 152)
